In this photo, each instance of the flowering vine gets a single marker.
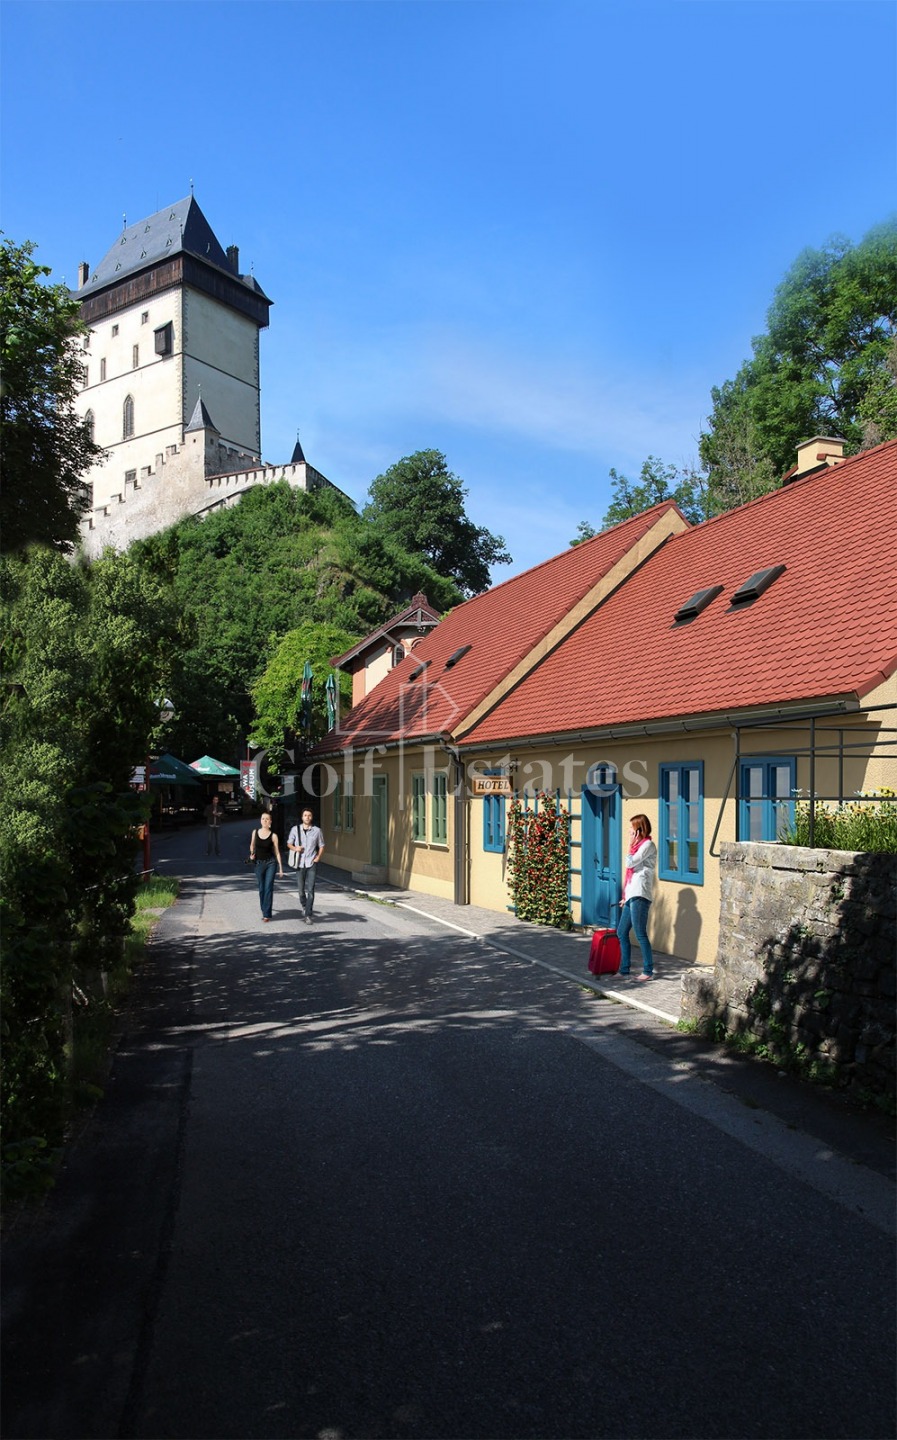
(538, 861)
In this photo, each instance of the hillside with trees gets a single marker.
(286, 573)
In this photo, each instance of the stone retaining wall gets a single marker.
(806, 963)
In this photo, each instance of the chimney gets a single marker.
(814, 454)
(233, 255)
(83, 274)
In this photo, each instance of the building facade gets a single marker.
(712, 677)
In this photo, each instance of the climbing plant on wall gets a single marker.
(539, 861)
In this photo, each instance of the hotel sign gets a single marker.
(491, 785)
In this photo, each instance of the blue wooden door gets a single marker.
(601, 878)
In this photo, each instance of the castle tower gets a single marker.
(171, 319)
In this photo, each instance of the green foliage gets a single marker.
(243, 578)
(539, 861)
(584, 531)
(860, 825)
(877, 409)
(83, 654)
(827, 365)
(277, 694)
(823, 367)
(46, 447)
(420, 502)
(657, 482)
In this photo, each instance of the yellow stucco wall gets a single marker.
(423, 865)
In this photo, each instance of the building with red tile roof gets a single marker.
(698, 674)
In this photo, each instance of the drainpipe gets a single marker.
(459, 819)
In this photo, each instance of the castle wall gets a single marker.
(175, 486)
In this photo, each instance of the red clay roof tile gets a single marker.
(501, 626)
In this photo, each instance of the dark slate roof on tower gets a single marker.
(298, 457)
(181, 227)
(201, 419)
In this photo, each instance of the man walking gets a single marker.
(307, 840)
(213, 825)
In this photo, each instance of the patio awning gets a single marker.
(168, 770)
(208, 765)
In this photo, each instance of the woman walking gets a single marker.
(264, 851)
(638, 892)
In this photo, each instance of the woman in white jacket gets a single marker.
(638, 892)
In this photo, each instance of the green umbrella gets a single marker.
(168, 770)
(208, 765)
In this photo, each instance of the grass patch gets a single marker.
(95, 1009)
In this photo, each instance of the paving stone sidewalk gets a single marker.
(566, 954)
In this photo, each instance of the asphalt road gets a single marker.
(368, 1178)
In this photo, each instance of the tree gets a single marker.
(277, 694)
(245, 577)
(421, 503)
(83, 654)
(47, 447)
(821, 368)
(657, 482)
(878, 408)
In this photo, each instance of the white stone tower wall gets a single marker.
(221, 356)
(154, 385)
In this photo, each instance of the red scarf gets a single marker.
(637, 846)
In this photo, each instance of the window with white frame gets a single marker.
(419, 807)
(439, 817)
(682, 822)
(127, 418)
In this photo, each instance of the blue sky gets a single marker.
(530, 235)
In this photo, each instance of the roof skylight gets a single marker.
(698, 602)
(755, 586)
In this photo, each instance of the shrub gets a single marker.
(539, 861)
(865, 824)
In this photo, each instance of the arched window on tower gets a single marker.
(88, 421)
(127, 418)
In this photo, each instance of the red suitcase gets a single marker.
(604, 953)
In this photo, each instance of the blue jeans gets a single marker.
(306, 876)
(634, 916)
(264, 874)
